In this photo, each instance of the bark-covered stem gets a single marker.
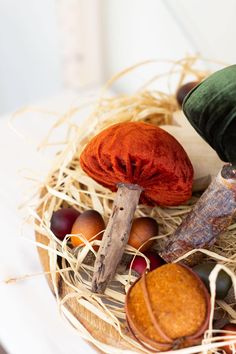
(116, 235)
(211, 215)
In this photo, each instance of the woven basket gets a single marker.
(100, 329)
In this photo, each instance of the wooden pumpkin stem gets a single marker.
(116, 235)
(211, 215)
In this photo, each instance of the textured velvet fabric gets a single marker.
(211, 109)
(143, 154)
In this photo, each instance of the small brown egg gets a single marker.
(142, 230)
(89, 224)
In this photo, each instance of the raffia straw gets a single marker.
(66, 184)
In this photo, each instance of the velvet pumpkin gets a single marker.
(143, 154)
(211, 109)
(144, 164)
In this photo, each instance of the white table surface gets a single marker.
(29, 318)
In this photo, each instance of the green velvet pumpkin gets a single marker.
(211, 109)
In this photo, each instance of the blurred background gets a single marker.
(51, 46)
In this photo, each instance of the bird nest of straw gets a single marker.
(68, 185)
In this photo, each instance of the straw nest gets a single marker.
(67, 184)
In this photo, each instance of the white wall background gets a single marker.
(33, 49)
(29, 53)
(135, 30)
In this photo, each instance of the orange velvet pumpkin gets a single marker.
(143, 154)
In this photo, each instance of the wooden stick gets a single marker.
(116, 235)
(211, 215)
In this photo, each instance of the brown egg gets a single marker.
(229, 327)
(141, 231)
(89, 224)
